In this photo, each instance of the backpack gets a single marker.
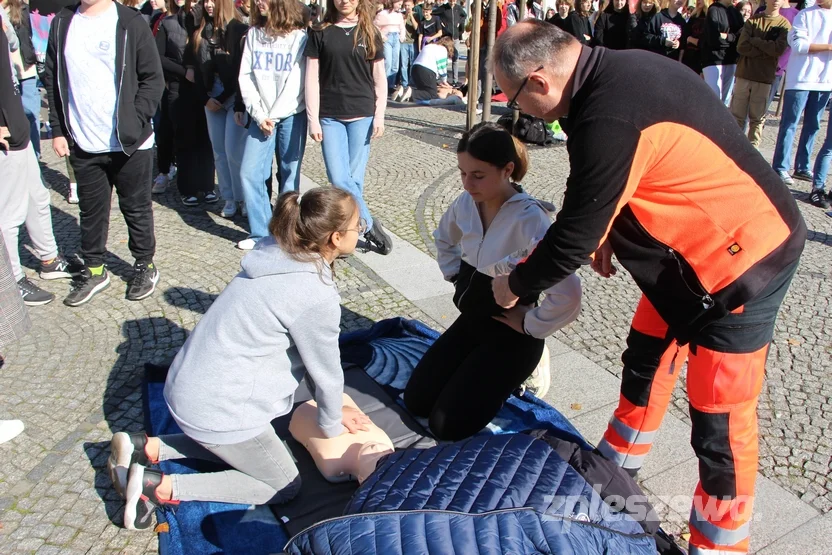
(529, 129)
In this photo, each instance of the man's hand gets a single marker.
(502, 292)
(602, 263)
(4, 134)
(354, 420)
(213, 105)
(267, 127)
(515, 317)
(60, 146)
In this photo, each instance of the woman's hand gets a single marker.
(213, 105)
(315, 131)
(267, 127)
(240, 118)
(378, 128)
(189, 75)
(514, 317)
(354, 420)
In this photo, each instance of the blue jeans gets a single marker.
(811, 105)
(346, 149)
(408, 55)
(822, 162)
(288, 143)
(450, 100)
(227, 143)
(391, 58)
(31, 106)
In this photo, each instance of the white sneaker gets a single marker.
(172, 172)
(229, 209)
(160, 184)
(10, 429)
(541, 379)
(73, 194)
(246, 244)
(243, 210)
(407, 94)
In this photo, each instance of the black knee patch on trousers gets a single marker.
(641, 360)
(711, 440)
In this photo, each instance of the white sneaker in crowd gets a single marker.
(73, 194)
(229, 209)
(246, 244)
(160, 184)
(10, 429)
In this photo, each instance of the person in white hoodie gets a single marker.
(808, 86)
(487, 353)
(272, 89)
(277, 321)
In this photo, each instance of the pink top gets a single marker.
(789, 13)
(390, 22)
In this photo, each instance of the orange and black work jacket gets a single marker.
(660, 167)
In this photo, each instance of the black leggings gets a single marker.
(468, 373)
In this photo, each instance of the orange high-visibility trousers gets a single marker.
(726, 366)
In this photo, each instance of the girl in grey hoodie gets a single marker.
(277, 320)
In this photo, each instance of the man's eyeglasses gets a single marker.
(513, 102)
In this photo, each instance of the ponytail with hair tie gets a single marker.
(493, 143)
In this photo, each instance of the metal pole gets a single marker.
(474, 63)
(515, 114)
(488, 78)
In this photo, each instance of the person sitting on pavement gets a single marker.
(430, 76)
(275, 322)
(487, 353)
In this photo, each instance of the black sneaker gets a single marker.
(378, 239)
(190, 201)
(144, 281)
(125, 450)
(804, 175)
(59, 268)
(141, 498)
(819, 198)
(85, 286)
(211, 197)
(32, 294)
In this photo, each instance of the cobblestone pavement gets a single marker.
(76, 378)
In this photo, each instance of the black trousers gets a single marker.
(194, 155)
(131, 176)
(165, 134)
(468, 373)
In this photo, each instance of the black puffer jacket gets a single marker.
(172, 40)
(24, 33)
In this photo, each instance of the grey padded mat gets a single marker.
(319, 499)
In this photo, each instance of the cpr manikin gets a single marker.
(345, 457)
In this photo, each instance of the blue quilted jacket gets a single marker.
(488, 494)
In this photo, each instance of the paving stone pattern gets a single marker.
(76, 378)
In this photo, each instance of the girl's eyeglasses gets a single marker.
(361, 229)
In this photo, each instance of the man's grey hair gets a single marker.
(527, 46)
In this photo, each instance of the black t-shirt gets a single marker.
(346, 75)
(430, 28)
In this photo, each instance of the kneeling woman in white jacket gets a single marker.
(467, 374)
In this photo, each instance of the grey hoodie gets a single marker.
(238, 370)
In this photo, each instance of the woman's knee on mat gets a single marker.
(284, 494)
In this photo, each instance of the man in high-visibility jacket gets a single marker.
(662, 177)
